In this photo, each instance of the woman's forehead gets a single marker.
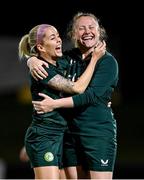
(51, 30)
(86, 20)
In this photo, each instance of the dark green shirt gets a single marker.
(91, 114)
(41, 86)
(103, 82)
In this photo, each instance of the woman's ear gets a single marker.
(40, 47)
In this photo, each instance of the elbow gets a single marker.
(79, 90)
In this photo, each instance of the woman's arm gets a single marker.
(103, 83)
(104, 78)
(60, 83)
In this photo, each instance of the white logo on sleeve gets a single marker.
(104, 163)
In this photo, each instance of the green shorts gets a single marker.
(96, 153)
(44, 145)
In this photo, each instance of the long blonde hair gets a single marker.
(28, 43)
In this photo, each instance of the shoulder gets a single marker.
(108, 64)
(109, 59)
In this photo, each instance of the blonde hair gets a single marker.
(72, 26)
(28, 43)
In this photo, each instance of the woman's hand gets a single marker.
(99, 50)
(44, 106)
(36, 68)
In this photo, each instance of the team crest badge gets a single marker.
(49, 157)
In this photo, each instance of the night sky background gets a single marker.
(123, 24)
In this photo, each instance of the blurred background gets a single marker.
(122, 26)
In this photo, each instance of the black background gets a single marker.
(124, 28)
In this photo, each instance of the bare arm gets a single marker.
(48, 104)
(105, 77)
(58, 82)
(62, 84)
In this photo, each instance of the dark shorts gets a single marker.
(96, 153)
(44, 146)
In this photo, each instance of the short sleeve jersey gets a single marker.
(41, 86)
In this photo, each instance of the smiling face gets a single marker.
(51, 46)
(86, 32)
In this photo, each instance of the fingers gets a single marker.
(36, 67)
(37, 106)
(40, 102)
(45, 64)
(103, 45)
(101, 48)
(36, 102)
(100, 45)
(43, 95)
(42, 71)
(40, 112)
(35, 75)
(39, 72)
(43, 106)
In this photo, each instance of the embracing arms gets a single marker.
(103, 82)
(62, 84)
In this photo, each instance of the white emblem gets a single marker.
(104, 163)
(49, 156)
